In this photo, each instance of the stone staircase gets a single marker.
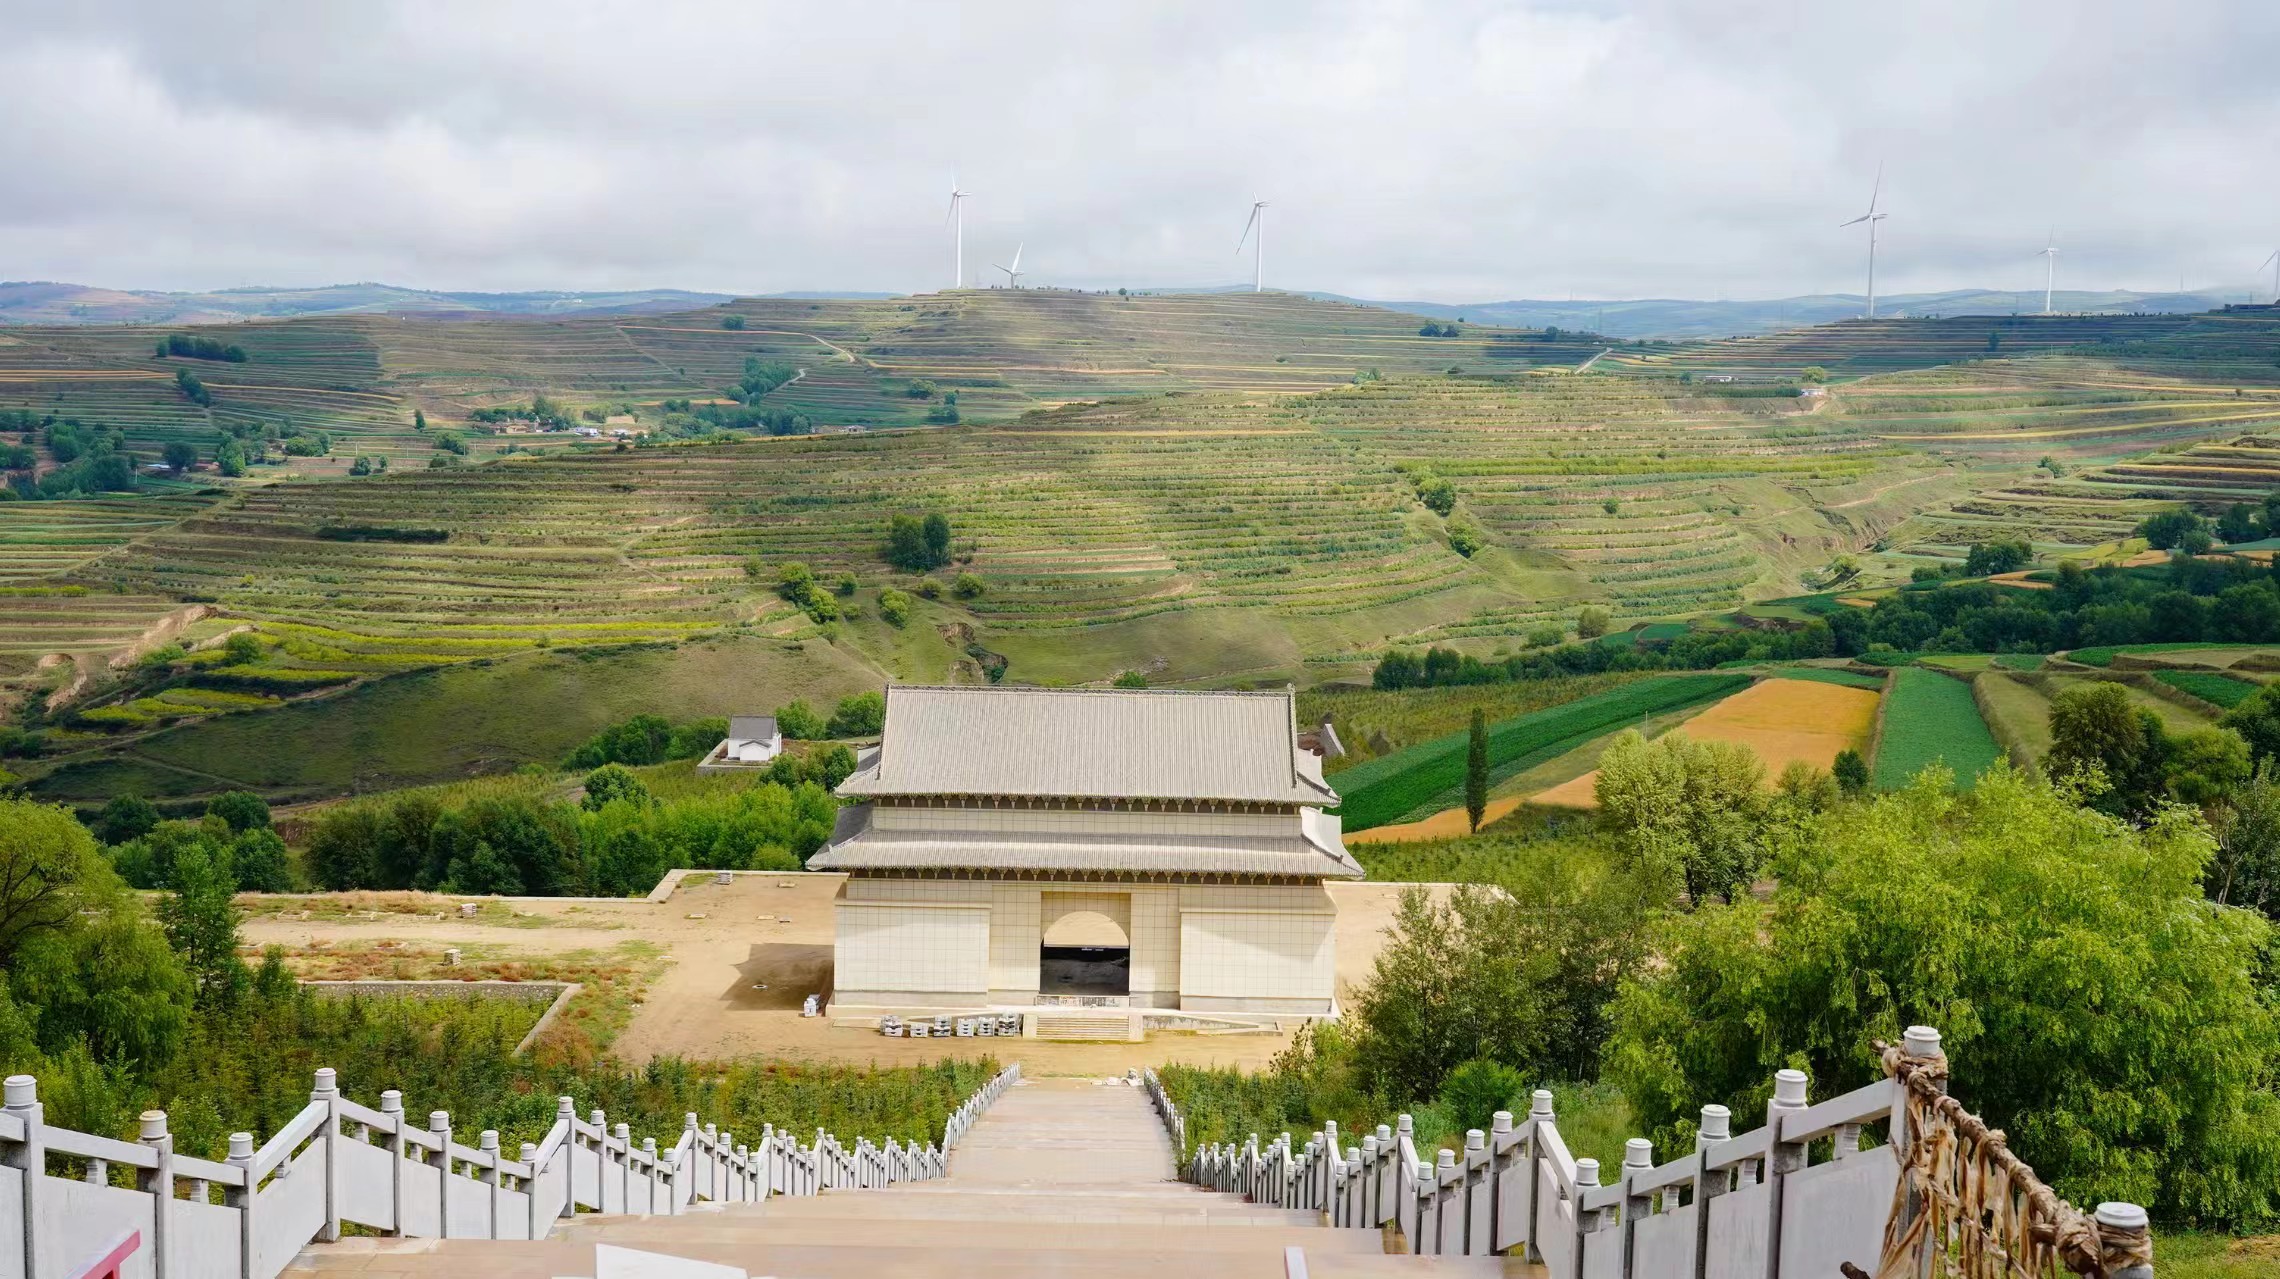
(1060, 1178)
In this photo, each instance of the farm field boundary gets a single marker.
(1419, 781)
(1931, 717)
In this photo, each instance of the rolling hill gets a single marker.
(1220, 487)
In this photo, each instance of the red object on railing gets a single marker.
(110, 1263)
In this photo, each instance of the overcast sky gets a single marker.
(1449, 151)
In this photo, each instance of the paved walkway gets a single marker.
(1066, 1133)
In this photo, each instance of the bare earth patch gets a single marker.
(716, 946)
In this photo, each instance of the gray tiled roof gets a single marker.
(751, 728)
(1091, 744)
(1318, 854)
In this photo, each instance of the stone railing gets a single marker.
(1802, 1196)
(151, 1214)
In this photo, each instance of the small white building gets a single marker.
(1024, 849)
(752, 741)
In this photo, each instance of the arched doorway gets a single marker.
(1085, 947)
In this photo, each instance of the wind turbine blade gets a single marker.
(2268, 261)
(1857, 221)
(1878, 190)
(1254, 221)
(1017, 256)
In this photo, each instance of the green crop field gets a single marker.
(1929, 717)
(2225, 691)
(1420, 780)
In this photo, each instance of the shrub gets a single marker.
(1591, 622)
(614, 782)
(798, 722)
(859, 715)
(732, 322)
(242, 810)
(968, 586)
(1130, 679)
(894, 606)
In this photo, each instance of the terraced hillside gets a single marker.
(1194, 534)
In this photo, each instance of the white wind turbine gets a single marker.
(1259, 250)
(2274, 263)
(2049, 255)
(957, 223)
(1872, 217)
(1013, 273)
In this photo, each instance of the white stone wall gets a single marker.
(1221, 947)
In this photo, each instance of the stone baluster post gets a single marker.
(439, 1125)
(158, 1183)
(1715, 1127)
(487, 1141)
(325, 1091)
(1540, 1118)
(1382, 1208)
(534, 1227)
(246, 1198)
(392, 1105)
(1476, 1242)
(1499, 1126)
(622, 1136)
(1587, 1222)
(1783, 1156)
(30, 1158)
(2122, 1229)
(566, 1118)
(1638, 1159)
(712, 1162)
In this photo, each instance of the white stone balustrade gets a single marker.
(341, 1162)
(1794, 1198)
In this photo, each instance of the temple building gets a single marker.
(1133, 853)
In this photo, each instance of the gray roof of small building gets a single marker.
(751, 728)
(1158, 744)
(1317, 853)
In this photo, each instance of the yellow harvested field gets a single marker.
(1781, 719)
(1446, 824)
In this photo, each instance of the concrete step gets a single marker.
(416, 1259)
(1212, 1210)
(668, 1234)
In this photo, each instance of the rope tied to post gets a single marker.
(1965, 1207)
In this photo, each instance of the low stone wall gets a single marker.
(555, 994)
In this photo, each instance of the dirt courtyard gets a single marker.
(722, 943)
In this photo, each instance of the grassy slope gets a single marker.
(1930, 717)
(435, 725)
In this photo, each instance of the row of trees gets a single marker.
(526, 842)
(2230, 601)
(192, 348)
(918, 544)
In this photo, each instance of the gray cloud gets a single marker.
(1454, 151)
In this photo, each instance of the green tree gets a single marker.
(906, 543)
(611, 782)
(180, 455)
(1476, 769)
(798, 722)
(2001, 555)
(859, 715)
(1438, 495)
(259, 863)
(419, 420)
(2256, 719)
(2246, 868)
(967, 586)
(732, 322)
(1814, 374)
(2239, 524)
(935, 531)
(125, 817)
(201, 924)
(1692, 814)
(1465, 537)
(44, 855)
(894, 607)
(1592, 621)
(243, 810)
(2097, 1010)
(229, 458)
(2175, 530)
(2094, 726)
(242, 648)
(1851, 772)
